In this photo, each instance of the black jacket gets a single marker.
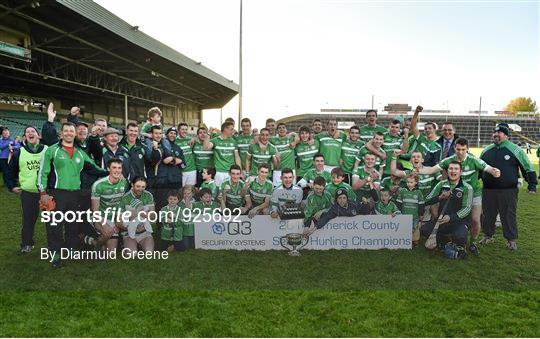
(433, 158)
(156, 171)
(135, 156)
(174, 172)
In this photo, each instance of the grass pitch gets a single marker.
(230, 293)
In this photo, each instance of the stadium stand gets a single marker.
(466, 125)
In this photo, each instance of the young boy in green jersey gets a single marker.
(171, 231)
(208, 181)
(206, 205)
(385, 205)
(188, 227)
(318, 202)
(154, 119)
(411, 201)
(338, 177)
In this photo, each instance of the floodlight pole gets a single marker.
(240, 72)
(125, 110)
(479, 113)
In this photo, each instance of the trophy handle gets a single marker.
(306, 238)
(281, 242)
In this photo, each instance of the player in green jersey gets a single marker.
(367, 132)
(316, 127)
(257, 191)
(186, 208)
(225, 152)
(172, 233)
(380, 155)
(470, 166)
(318, 202)
(426, 142)
(366, 181)
(411, 201)
(206, 206)
(338, 177)
(330, 144)
(385, 205)
(305, 147)
(317, 171)
(392, 141)
(349, 150)
(184, 141)
(244, 139)
(106, 195)
(262, 152)
(138, 203)
(282, 143)
(208, 182)
(203, 158)
(231, 196)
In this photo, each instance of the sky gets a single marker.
(300, 56)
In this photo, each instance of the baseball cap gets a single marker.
(81, 123)
(110, 130)
(502, 127)
(172, 129)
(339, 192)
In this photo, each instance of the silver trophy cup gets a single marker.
(296, 241)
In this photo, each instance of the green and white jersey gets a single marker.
(425, 146)
(469, 167)
(386, 209)
(130, 202)
(411, 201)
(234, 198)
(259, 156)
(243, 141)
(378, 161)
(365, 191)
(258, 191)
(183, 143)
(224, 153)
(203, 158)
(188, 227)
(367, 132)
(286, 153)
(330, 148)
(426, 182)
(211, 185)
(109, 194)
(316, 203)
(311, 174)
(349, 151)
(304, 155)
(172, 231)
(466, 197)
(391, 143)
(331, 188)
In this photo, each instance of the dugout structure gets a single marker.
(78, 53)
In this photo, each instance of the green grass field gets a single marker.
(230, 293)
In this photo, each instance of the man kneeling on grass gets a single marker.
(455, 203)
(343, 207)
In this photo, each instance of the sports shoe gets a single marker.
(473, 248)
(450, 251)
(487, 240)
(461, 253)
(26, 249)
(512, 245)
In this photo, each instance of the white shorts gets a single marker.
(139, 237)
(276, 177)
(477, 201)
(220, 177)
(110, 224)
(189, 178)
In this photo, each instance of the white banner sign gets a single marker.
(264, 233)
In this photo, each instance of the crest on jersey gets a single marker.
(507, 157)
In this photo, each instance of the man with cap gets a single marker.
(343, 207)
(500, 194)
(112, 149)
